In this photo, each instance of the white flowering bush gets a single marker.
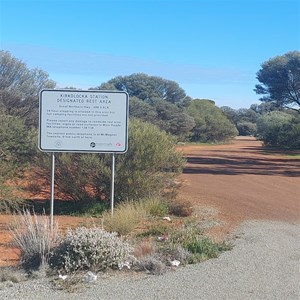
(90, 248)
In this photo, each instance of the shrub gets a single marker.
(17, 149)
(149, 167)
(204, 248)
(142, 249)
(9, 202)
(12, 274)
(279, 129)
(211, 124)
(32, 234)
(190, 238)
(155, 206)
(180, 208)
(150, 264)
(127, 216)
(90, 248)
(246, 128)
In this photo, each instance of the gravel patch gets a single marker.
(264, 264)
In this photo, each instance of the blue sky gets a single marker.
(211, 48)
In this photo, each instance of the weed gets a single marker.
(33, 235)
(155, 206)
(180, 208)
(142, 249)
(150, 264)
(12, 274)
(127, 217)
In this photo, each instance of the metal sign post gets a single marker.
(83, 122)
(112, 187)
(52, 191)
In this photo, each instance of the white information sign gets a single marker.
(83, 121)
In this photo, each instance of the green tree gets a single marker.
(279, 129)
(142, 110)
(19, 88)
(173, 119)
(280, 81)
(149, 167)
(244, 119)
(167, 116)
(147, 87)
(211, 124)
(17, 149)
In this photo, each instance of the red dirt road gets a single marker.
(242, 181)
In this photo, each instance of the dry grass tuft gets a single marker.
(33, 235)
(127, 217)
(144, 248)
(181, 208)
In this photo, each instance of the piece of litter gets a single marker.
(126, 264)
(167, 219)
(162, 238)
(175, 263)
(63, 277)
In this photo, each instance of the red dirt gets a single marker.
(242, 182)
(233, 183)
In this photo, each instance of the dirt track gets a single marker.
(234, 183)
(242, 181)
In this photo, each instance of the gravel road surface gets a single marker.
(264, 264)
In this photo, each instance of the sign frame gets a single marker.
(47, 96)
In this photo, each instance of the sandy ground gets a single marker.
(228, 183)
(242, 182)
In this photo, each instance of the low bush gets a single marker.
(279, 129)
(155, 206)
(90, 249)
(190, 243)
(127, 217)
(148, 168)
(9, 202)
(180, 208)
(150, 264)
(142, 249)
(12, 274)
(32, 234)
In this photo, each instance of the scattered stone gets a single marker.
(90, 277)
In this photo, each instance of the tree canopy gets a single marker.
(280, 81)
(147, 87)
(20, 86)
(211, 123)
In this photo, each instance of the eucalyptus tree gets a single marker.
(211, 123)
(20, 86)
(147, 87)
(279, 79)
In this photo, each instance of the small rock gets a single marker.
(90, 277)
